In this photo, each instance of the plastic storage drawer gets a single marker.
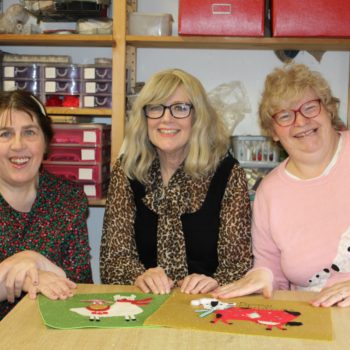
(96, 101)
(92, 173)
(97, 87)
(82, 134)
(62, 72)
(32, 86)
(97, 72)
(66, 153)
(70, 87)
(22, 71)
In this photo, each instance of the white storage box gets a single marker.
(153, 24)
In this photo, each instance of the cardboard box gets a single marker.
(317, 18)
(221, 18)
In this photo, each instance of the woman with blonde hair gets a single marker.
(301, 225)
(177, 211)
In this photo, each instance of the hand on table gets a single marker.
(15, 269)
(256, 281)
(154, 280)
(195, 283)
(51, 285)
(338, 294)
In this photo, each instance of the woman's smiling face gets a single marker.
(170, 135)
(22, 148)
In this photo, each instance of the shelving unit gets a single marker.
(124, 49)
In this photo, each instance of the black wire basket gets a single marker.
(66, 10)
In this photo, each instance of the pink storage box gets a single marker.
(223, 18)
(82, 134)
(21, 71)
(65, 153)
(92, 173)
(317, 18)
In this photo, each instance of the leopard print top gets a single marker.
(119, 260)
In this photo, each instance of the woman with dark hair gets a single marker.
(43, 232)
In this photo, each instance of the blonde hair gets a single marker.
(209, 140)
(289, 83)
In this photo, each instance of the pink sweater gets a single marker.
(301, 228)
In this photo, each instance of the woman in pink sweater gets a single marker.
(301, 221)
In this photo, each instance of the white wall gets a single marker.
(212, 67)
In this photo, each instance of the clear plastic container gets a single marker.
(255, 151)
(92, 173)
(153, 24)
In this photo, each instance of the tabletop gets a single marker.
(23, 328)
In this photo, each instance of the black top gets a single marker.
(201, 228)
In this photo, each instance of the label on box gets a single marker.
(50, 86)
(89, 101)
(90, 190)
(9, 72)
(89, 136)
(85, 174)
(50, 72)
(88, 154)
(90, 87)
(89, 73)
(9, 85)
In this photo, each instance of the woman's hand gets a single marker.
(51, 285)
(15, 269)
(194, 284)
(256, 281)
(338, 294)
(154, 280)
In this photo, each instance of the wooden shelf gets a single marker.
(97, 202)
(79, 111)
(79, 40)
(239, 43)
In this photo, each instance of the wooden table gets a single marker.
(23, 328)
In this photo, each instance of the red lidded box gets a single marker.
(82, 134)
(317, 18)
(224, 18)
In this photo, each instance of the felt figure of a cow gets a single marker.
(227, 313)
(123, 306)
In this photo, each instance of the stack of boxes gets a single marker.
(22, 76)
(62, 85)
(81, 153)
(97, 86)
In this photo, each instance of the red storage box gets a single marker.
(93, 173)
(65, 153)
(317, 18)
(82, 134)
(225, 18)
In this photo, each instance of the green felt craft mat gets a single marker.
(99, 310)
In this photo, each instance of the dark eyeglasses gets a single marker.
(177, 110)
(309, 109)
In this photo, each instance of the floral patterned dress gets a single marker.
(55, 227)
